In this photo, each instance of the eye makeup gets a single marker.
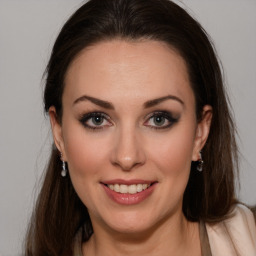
(95, 120)
(160, 119)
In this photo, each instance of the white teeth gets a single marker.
(130, 189)
(123, 189)
(116, 188)
(144, 186)
(140, 187)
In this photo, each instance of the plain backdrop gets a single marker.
(28, 29)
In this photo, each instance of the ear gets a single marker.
(202, 132)
(57, 131)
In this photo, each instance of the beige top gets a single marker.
(235, 236)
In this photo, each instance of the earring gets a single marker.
(200, 163)
(64, 169)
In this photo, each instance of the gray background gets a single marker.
(27, 31)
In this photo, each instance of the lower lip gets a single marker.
(129, 199)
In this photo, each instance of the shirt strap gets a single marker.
(204, 240)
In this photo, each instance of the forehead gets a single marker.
(137, 69)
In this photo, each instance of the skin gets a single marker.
(127, 146)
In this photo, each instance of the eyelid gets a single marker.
(92, 114)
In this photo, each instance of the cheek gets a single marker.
(85, 151)
(175, 151)
(86, 154)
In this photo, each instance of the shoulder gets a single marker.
(254, 212)
(235, 235)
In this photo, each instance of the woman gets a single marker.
(145, 153)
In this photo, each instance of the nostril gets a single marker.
(126, 163)
(126, 157)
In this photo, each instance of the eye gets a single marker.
(161, 120)
(95, 120)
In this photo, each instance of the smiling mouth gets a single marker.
(128, 189)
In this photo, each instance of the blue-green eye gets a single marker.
(161, 120)
(95, 120)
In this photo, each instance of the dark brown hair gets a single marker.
(209, 195)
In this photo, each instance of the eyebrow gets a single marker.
(154, 102)
(101, 103)
(108, 105)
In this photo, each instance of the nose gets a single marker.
(128, 151)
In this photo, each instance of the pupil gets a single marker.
(97, 120)
(159, 120)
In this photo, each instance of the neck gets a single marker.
(175, 236)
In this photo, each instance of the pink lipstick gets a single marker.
(128, 192)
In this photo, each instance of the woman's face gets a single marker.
(129, 132)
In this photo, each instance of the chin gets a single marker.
(131, 222)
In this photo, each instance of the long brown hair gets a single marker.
(209, 195)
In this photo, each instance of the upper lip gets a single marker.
(128, 182)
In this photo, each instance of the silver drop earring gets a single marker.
(64, 169)
(200, 163)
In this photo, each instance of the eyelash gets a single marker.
(167, 115)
